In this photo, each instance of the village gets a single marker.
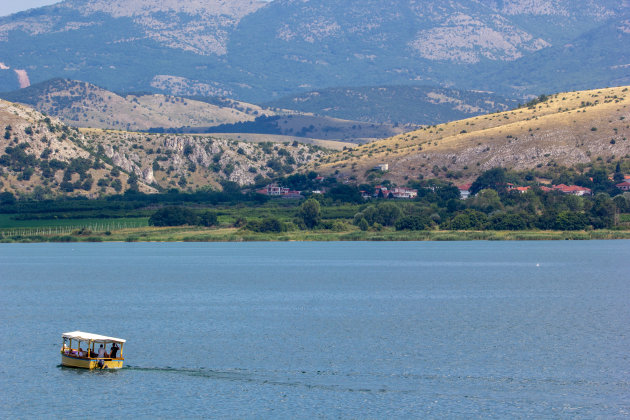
(404, 193)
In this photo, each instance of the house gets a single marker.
(464, 191)
(401, 192)
(522, 190)
(383, 167)
(546, 189)
(572, 189)
(624, 186)
(274, 190)
(379, 189)
(396, 192)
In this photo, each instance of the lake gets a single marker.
(333, 330)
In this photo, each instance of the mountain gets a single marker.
(563, 129)
(85, 105)
(41, 157)
(82, 104)
(260, 51)
(395, 104)
(598, 54)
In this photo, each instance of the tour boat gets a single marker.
(88, 358)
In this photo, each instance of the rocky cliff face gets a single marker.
(187, 161)
(42, 157)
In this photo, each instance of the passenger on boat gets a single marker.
(80, 353)
(113, 351)
(101, 352)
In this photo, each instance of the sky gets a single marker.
(11, 6)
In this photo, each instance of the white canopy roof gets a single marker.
(84, 336)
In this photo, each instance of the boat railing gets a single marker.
(74, 353)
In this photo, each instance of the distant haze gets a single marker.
(8, 7)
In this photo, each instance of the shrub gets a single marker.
(208, 218)
(266, 225)
(508, 221)
(173, 216)
(413, 223)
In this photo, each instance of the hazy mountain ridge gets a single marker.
(256, 51)
(395, 104)
(82, 104)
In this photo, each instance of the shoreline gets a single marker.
(196, 234)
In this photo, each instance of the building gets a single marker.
(522, 190)
(396, 192)
(624, 186)
(464, 191)
(572, 189)
(383, 167)
(274, 190)
(401, 192)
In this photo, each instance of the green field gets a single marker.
(10, 226)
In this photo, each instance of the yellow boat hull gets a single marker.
(83, 363)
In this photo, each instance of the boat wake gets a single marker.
(304, 379)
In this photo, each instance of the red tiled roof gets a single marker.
(464, 187)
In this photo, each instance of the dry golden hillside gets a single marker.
(564, 129)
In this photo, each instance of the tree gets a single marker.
(266, 225)
(468, 220)
(173, 216)
(363, 224)
(508, 221)
(208, 218)
(310, 212)
(570, 220)
(345, 193)
(388, 214)
(487, 201)
(7, 198)
(413, 223)
(603, 211)
(494, 178)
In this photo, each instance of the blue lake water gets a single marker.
(301, 330)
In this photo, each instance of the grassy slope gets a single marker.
(569, 128)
